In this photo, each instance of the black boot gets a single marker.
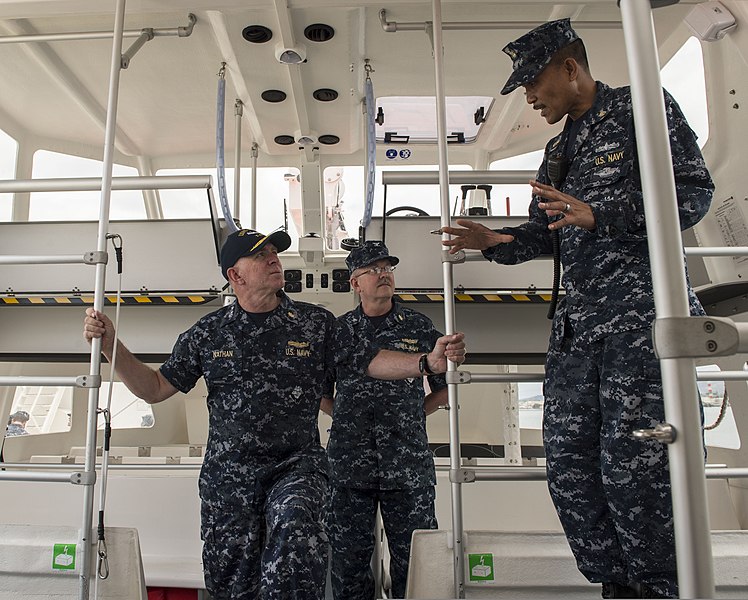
(616, 590)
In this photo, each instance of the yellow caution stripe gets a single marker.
(476, 298)
(109, 300)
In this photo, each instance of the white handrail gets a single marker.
(93, 184)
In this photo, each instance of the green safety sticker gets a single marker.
(63, 557)
(480, 567)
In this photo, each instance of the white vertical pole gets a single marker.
(455, 459)
(106, 193)
(688, 482)
(253, 202)
(238, 112)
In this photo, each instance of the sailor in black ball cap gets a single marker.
(602, 379)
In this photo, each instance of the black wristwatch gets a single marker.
(423, 365)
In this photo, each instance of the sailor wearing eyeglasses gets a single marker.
(378, 448)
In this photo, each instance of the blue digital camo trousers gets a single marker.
(276, 549)
(611, 491)
(351, 529)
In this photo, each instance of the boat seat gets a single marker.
(538, 565)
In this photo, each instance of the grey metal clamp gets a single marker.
(457, 376)
(461, 475)
(88, 381)
(457, 258)
(694, 337)
(95, 258)
(83, 478)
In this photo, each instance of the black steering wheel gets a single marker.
(420, 212)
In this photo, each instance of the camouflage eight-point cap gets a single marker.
(368, 253)
(532, 52)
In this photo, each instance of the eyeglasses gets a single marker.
(378, 270)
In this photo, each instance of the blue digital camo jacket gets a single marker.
(264, 389)
(378, 438)
(606, 272)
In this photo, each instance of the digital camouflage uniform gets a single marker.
(263, 483)
(378, 451)
(602, 381)
(14, 429)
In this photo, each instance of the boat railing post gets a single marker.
(688, 483)
(455, 459)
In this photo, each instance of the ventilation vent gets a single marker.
(257, 34)
(273, 96)
(319, 32)
(284, 140)
(328, 139)
(325, 95)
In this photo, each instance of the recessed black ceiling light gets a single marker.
(284, 140)
(328, 139)
(319, 32)
(273, 96)
(257, 34)
(325, 95)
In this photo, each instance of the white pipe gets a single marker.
(717, 251)
(15, 380)
(253, 203)
(455, 458)
(482, 473)
(682, 409)
(47, 477)
(99, 35)
(394, 26)
(456, 177)
(238, 112)
(87, 184)
(62, 259)
(106, 196)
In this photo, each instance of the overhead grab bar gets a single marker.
(394, 26)
(185, 31)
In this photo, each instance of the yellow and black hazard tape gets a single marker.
(109, 300)
(476, 298)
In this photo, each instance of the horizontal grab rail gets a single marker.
(540, 377)
(81, 381)
(90, 258)
(92, 184)
(482, 473)
(75, 477)
(539, 473)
